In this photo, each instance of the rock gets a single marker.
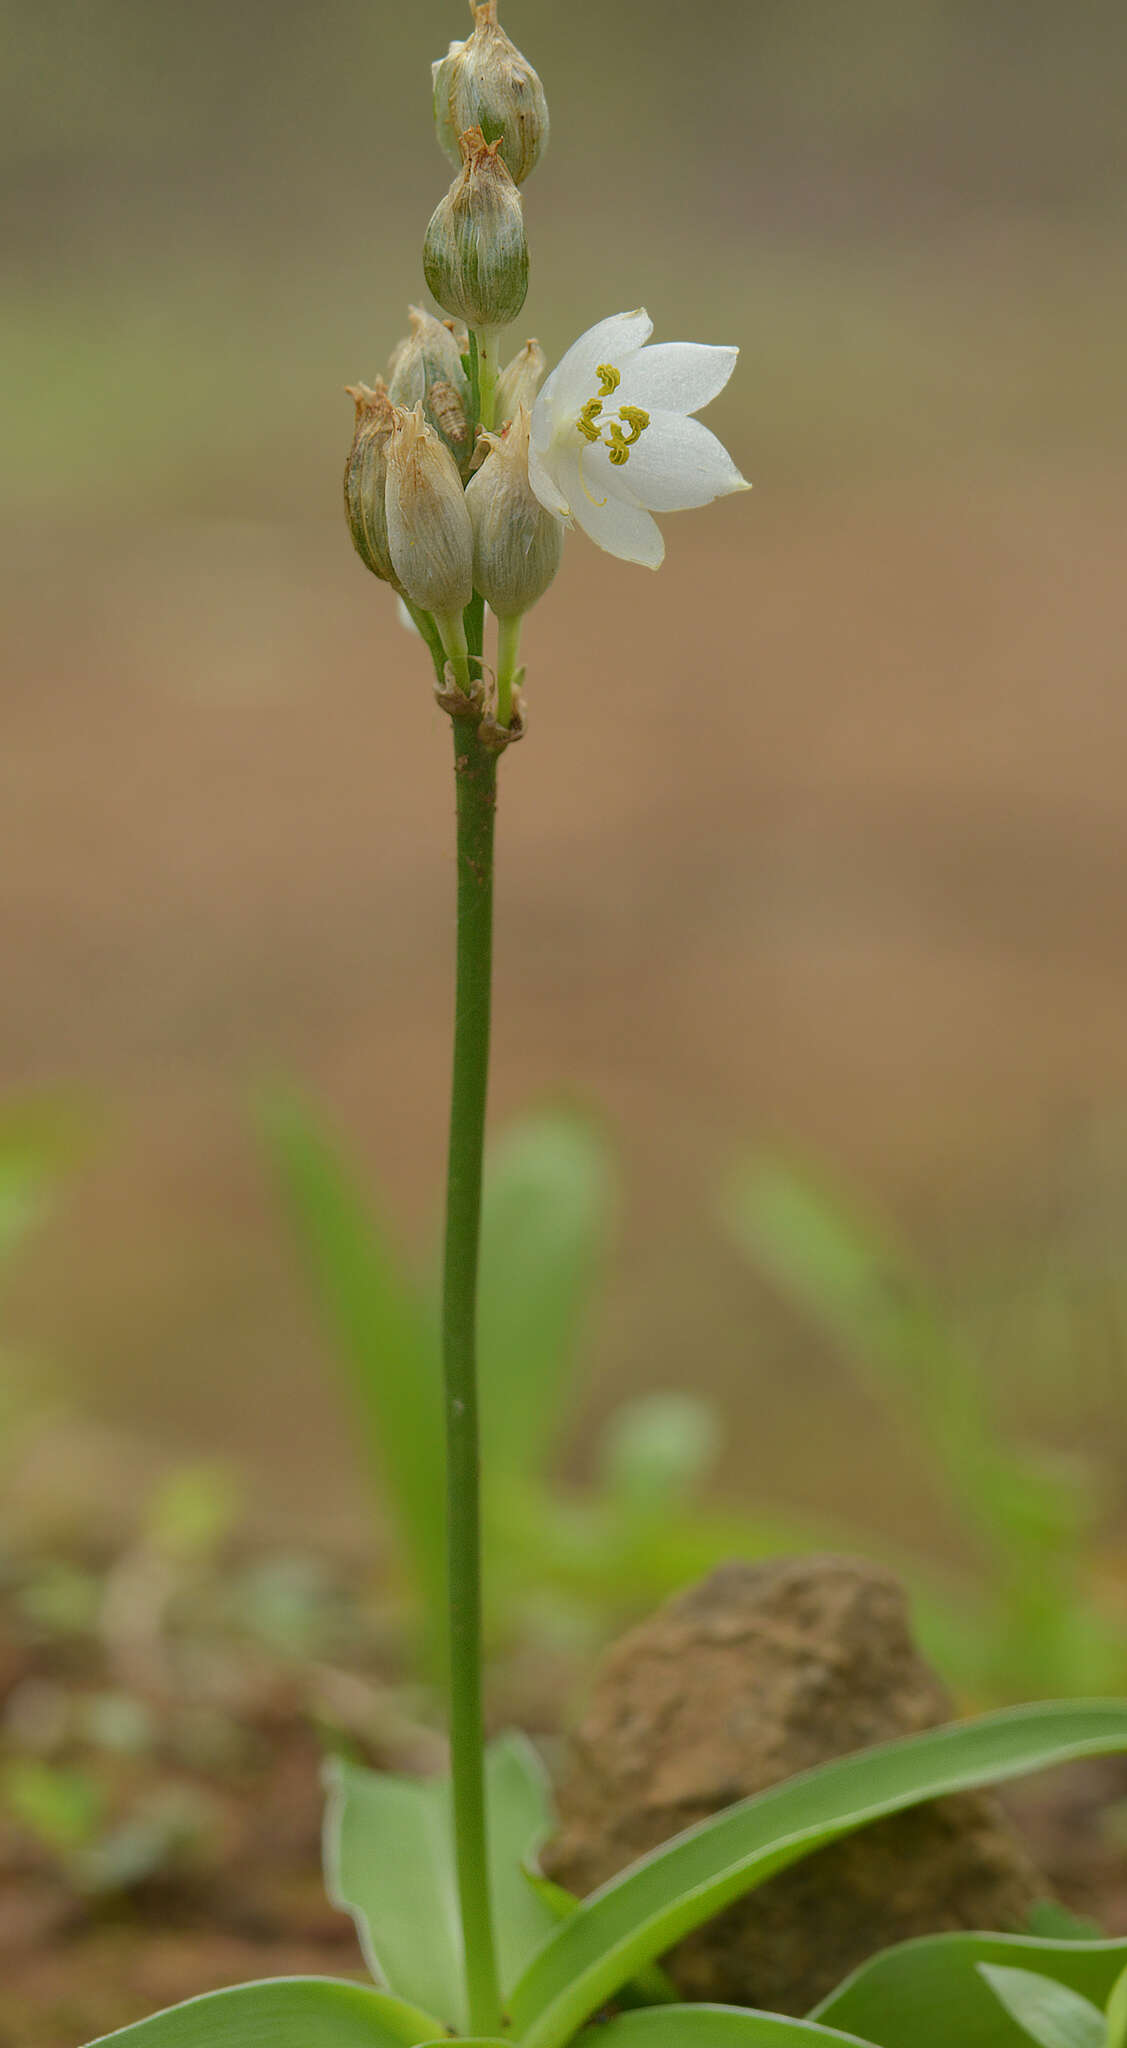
(757, 1673)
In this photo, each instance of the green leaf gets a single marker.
(929, 1991)
(641, 1913)
(1117, 2012)
(283, 2012)
(545, 1217)
(651, 1986)
(1048, 2012)
(385, 1343)
(389, 1856)
(521, 1817)
(1055, 1922)
(711, 2026)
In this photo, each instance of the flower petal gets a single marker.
(678, 376)
(615, 524)
(677, 464)
(573, 381)
(545, 487)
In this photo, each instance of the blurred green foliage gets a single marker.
(546, 1228)
(1034, 1625)
(1034, 1619)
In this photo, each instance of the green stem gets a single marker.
(488, 368)
(475, 772)
(508, 660)
(429, 632)
(452, 633)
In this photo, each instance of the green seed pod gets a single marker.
(519, 382)
(365, 479)
(517, 545)
(485, 83)
(428, 366)
(429, 536)
(475, 257)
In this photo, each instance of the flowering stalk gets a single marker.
(475, 777)
(508, 661)
(460, 482)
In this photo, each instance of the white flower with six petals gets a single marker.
(613, 440)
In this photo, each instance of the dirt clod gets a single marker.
(759, 1672)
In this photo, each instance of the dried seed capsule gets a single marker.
(429, 536)
(365, 479)
(475, 257)
(517, 544)
(485, 83)
(428, 366)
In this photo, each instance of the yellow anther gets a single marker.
(610, 431)
(636, 420)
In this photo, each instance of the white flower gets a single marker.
(613, 440)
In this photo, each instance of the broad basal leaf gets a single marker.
(389, 1861)
(283, 2012)
(713, 2026)
(930, 1993)
(641, 1913)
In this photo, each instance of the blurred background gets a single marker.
(819, 837)
(817, 846)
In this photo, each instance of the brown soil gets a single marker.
(238, 1731)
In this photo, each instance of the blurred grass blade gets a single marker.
(546, 1213)
(1047, 2012)
(383, 1339)
(37, 1141)
(640, 1914)
(389, 1861)
(285, 2012)
(931, 1990)
(713, 2026)
(839, 1266)
(1050, 1921)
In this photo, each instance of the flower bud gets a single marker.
(365, 479)
(429, 536)
(519, 382)
(517, 544)
(485, 83)
(428, 366)
(475, 257)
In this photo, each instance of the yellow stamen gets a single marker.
(610, 431)
(636, 420)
